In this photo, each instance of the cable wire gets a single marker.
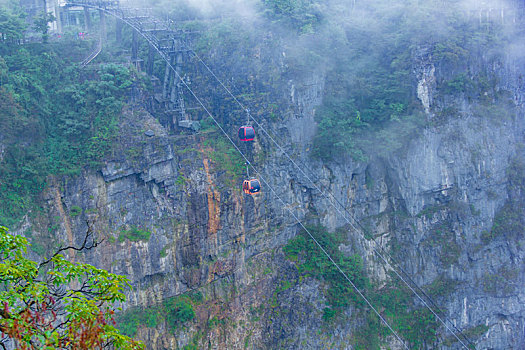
(150, 41)
(341, 213)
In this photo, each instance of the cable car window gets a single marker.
(250, 133)
(255, 186)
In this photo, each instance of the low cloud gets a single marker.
(212, 8)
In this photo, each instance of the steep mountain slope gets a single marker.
(433, 174)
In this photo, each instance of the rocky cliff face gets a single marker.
(448, 207)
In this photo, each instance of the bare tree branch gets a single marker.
(83, 246)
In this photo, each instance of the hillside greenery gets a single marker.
(55, 117)
(509, 221)
(299, 15)
(368, 54)
(310, 261)
(12, 24)
(416, 325)
(370, 101)
(174, 312)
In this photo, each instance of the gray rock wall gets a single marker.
(450, 183)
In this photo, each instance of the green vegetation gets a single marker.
(416, 325)
(369, 87)
(12, 24)
(471, 333)
(181, 180)
(370, 105)
(56, 119)
(429, 210)
(134, 234)
(75, 211)
(300, 15)
(178, 312)
(191, 346)
(509, 221)
(474, 211)
(194, 344)
(221, 35)
(175, 312)
(503, 282)
(38, 247)
(41, 24)
(368, 55)
(226, 158)
(30, 306)
(164, 251)
(310, 261)
(129, 321)
(247, 339)
(208, 125)
(442, 239)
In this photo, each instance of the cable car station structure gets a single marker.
(163, 36)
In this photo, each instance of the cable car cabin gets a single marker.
(251, 186)
(246, 133)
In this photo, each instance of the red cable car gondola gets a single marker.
(246, 133)
(251, 186)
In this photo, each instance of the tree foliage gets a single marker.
(312, 262)
(57, 304)
(41, 24)
(175, 312)
(55, 119)
(301, 15)
(12, 24)
(417, 326)
(370, 90)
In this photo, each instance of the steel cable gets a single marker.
(150, 41)
(343, 214)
